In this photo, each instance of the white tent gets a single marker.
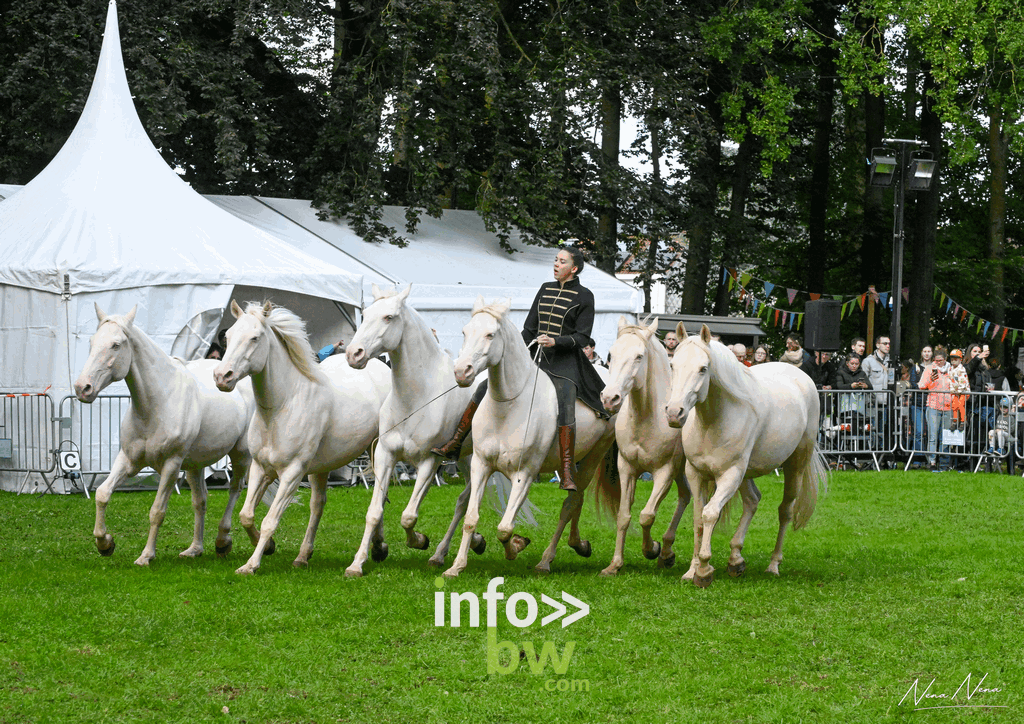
(108, 221)
(449, 261)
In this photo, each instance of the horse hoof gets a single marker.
(479, 544)
(425, 543)
(379, 553)
(703, 581)
(737, 570)
(434, 563)
(654, 552)
(246, 570)
(583, 549)
(107, 552)
(542, 570)
(667, 562)
(609, 572)
(223, 550)
(299, 563)
(271, 548)
(353, 573)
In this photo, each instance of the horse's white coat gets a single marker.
(421, 412)
(309, 418)
(745, 422)
(177, 420)
(640, 379)
(514, 431)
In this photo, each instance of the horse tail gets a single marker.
(608, 486)
(813, 476)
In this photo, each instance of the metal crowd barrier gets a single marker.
(28, 436)
(857, 428)
(94, 431)
(963, 431)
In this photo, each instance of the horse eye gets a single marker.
(704, 369)
(389, 317)
(489, 336)
(116, 345)
(639, 357)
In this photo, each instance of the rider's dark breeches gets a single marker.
(565, 391)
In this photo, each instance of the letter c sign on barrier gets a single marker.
(69, 461)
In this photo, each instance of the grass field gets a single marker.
(898, 577)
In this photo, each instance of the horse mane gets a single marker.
(291, 331)
(726, 370)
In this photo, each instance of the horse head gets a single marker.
(482, 341)
(381, 329)
(248, 345)
(691, 374)
(630, 356)
(110, 355)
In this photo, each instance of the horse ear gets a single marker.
(652, 328)
(130, 317)
(236, 311)
(100, 314)
(623, 322)
(268, 307)
(377, 293)
(479, 304)
(705, 334)
(404, 294)
(503, 305)
(681, 332)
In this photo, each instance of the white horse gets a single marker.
(746, 422)
(639, 382)
(177, 420)
(514, 433)
(420, 413)
(309, 418)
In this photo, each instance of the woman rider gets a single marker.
(560, 322)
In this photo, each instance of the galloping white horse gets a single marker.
(420, 413)
(177, 420)
(746, 422)
(639, 382)
(309, 418)
(514, 433)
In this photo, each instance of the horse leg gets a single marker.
(478, 479)
(197, 484)
(789, 491)
(627, 493)
(425, 471)
(667, 558)
(697, 495)
(121, 470)
(317, 498)
(477, 546)
(168, 474)
(727, 484)
(239, 465)
(662, 483)
(288, 483)
(373, 535)
(751, 497)
(571, 506)
(514, 544)
(259, 481)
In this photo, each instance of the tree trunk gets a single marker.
(651, 267)
(821, 157)
(607, 223)
(877, 218)
(998, 157)
(735, 231)
(921, 280)
(703, 207)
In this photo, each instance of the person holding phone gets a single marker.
(936, 380)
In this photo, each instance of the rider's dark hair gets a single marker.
(578, 257)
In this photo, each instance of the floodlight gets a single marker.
(883, 167)
(920, 174)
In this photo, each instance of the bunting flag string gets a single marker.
(739, 283)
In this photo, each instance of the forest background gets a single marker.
(756, 119)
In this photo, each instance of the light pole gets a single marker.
(909, 167)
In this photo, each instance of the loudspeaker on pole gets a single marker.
(821, 325)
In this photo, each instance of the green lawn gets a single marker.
(897, 577)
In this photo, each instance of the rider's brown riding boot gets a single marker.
(451, 449)
(566, 453)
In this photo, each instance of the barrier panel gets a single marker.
(94, 432)
(857, 427)
(963, 431)
(28, 435)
